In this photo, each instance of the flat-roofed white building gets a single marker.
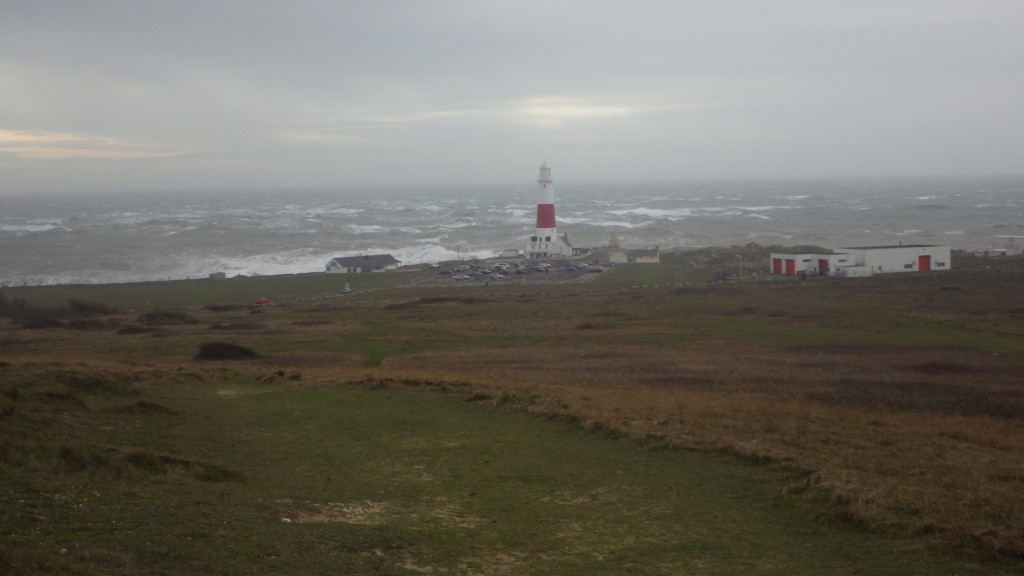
(862, 261)
(902, 258)
(809, 263)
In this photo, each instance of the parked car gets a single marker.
(460, 277)
(496, 276)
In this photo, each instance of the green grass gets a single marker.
(200, 292)
(699, 366)
(371, 342)
(396, 481)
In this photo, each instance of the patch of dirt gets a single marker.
(370, 513)
(451, 515)
(365, 513)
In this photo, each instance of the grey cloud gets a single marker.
(227, 93)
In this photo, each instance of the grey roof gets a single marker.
(369, 260)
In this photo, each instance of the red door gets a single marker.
(790, 267)
(823, 267)
(777, 266)
(924, 263)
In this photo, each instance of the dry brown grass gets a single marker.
(907, 443)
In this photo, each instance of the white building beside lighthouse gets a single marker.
(545, 242)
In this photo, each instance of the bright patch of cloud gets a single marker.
(547, 110)
(561, 109)
(37, 138)
(307, 136)
(42, 145)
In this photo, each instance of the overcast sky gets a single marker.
(153, 94)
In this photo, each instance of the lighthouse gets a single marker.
(545, 241)
(546, 204)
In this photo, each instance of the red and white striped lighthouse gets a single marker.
(546, 231)
(545, 242)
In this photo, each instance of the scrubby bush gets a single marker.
(90, 324)
(86, 307)
(42, 324)
(225, 307)
(12, 307)
(167, 317)
(225, 351)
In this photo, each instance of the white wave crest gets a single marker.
(654, 212)
(29, 228)
(359, 229)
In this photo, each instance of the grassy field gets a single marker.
(645, 422)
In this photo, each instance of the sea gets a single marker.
(106, 237)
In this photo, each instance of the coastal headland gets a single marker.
(658, 418)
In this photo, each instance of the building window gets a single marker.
(940, 264)
(806, 260)
(908, 266)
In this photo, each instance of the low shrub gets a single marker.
(167, 317)
(143, 407)
(90, 324)
(42, 324)
(86, 307)
(237, 326)
(225, 351)
(225, 307)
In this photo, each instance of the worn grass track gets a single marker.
(217, 473)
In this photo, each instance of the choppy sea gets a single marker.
(122, 237)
